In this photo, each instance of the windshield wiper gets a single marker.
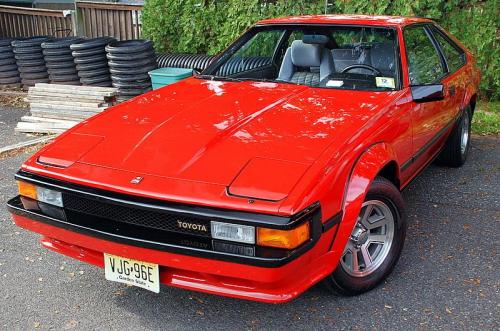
(218, 78)
(266, 80)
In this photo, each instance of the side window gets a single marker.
(261, 45)
(255, 53)
(455, 58)
(424, 62)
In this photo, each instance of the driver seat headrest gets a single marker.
(305, 55)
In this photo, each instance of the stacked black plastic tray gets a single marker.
(91, 62)
(8, 67)
(30, 61)
(187, 61)
(201, 62)
(129, 62)
(59, 61)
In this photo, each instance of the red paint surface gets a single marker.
(285, 146)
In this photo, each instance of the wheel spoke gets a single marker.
(354, 260)
(375, 222)
(366, 256)
(376, 238)
(366, 214)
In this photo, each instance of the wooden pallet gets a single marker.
(56, 108)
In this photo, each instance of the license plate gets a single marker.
(132, 272)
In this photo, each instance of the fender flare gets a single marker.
(366, 167)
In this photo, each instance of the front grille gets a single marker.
(151, 219)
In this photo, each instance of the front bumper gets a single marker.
(186, 260)
(271, 285)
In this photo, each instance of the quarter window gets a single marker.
(424, 62)
(454, 57)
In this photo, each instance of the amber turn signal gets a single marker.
(288, 239)
(27, 190)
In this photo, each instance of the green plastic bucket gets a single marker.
(166, 76)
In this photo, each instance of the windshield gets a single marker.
(340, 57)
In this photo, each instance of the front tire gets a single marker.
(375, 243)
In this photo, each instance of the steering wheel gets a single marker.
(362, 66)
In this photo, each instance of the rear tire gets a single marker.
(375, 244)
(457, 146)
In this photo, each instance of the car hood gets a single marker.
(252, 136)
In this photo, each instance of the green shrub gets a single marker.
(208, 26)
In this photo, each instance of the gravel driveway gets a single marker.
(8, 120)
(447, 277)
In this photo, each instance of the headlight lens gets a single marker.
(233, 232)
(40, 194)
(50, 197)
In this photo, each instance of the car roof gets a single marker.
(346, 19)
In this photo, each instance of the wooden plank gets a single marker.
(111, 24)
(129, 25)
(75, 87)
(105, 28)
(66, 115)
(20, 25)
(31, 11)
(137, 25)
(78, 94)
(39, 130)
(94, 23)
(88, 25)
(99, 19)
(33, 26)
(35, 119)
(35, 100)
(45, 125)
(75, 97)
(55, 26)
(123, 31)
(19, 28)
(28, 143)
(70, 99)
(107, 6)
(12, 31)
(50, 26)
(45, 25)
(57, 107)
(116, 22)
(81, 90)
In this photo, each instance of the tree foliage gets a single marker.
(208, 26)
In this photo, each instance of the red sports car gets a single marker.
(278, 166)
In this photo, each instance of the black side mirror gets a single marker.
(427, 93)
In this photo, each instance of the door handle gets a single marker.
(451, 90)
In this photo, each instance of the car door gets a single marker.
(426, 66)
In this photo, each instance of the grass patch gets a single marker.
(486, 118)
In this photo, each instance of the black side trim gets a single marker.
(428, 145)
(334, 220)
(271, 260)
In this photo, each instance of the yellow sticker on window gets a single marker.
(385, 82)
